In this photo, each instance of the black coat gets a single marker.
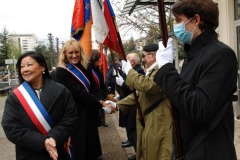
(85, 140)
(111, 80)
(207, 81)
(103, 88)
(128, 119)
(21, 131)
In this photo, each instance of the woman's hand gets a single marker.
(50, 145)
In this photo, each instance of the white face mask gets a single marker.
(182, 34)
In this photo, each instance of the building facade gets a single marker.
(229, 33)
(25, 42)
(140, 43)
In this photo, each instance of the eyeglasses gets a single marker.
(143, 55)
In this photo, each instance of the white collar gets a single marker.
(148, 70)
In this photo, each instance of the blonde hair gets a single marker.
(62, 62)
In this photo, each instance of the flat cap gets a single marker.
(150, 48)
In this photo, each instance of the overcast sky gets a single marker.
(37, 16)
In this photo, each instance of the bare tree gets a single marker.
(145, 21)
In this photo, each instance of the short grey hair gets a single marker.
(133, 56)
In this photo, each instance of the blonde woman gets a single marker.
(74, 72)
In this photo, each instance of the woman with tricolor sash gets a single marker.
(74, 72)
(96, 64)
(40, 114)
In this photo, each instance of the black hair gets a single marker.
(39, 58)
(206, 9)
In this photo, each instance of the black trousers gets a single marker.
(132, 135)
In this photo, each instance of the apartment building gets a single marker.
(25, 42)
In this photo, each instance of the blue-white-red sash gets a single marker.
(34, 108)
(79, 75)
(96, 78)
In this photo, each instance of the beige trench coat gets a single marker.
(154, 141)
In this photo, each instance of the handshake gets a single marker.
(109, 106)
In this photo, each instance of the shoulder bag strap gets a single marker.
(152, 107)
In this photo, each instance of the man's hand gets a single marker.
(107, 110)
(110, 106)
(119, 80)
(164, 55)
(126, 66)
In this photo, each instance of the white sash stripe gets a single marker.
(34, 108)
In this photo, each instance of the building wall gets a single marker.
(26, 42)
(228, 35)
(226, 22)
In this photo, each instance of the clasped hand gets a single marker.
(50, 146)
(109, 106)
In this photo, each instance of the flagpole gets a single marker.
(162, 22)
(121, 45)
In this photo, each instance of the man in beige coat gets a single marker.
(154, 141)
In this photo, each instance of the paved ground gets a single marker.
(237, 137)
(7, 151)
(110, 137)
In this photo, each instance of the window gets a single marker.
(237, 9)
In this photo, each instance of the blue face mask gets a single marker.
(182, 34)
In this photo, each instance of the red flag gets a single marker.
(103, 62)
(113, 40)
(81, 24)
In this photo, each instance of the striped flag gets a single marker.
(87, 14)
(81, 24)
(103, 62)
(99, 23)
(113, 40)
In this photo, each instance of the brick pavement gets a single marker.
(7, 150)
(237, 137)
(111, 141)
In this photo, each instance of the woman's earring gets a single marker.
(43, 72)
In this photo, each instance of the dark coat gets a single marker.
(207, 81)
(111, 80)
(85, 141)
(102, 96)
(21, 131)
(103, 87)
(128, 119)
